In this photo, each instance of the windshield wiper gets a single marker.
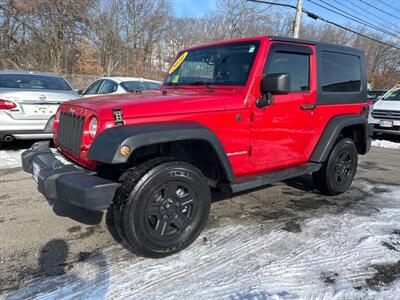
(201, 82)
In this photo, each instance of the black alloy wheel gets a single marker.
(337, 173)
(170, 210)
(343, 167)
(162, 207)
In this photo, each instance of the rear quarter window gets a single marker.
(340, 72)
(152, 85)
(139, 86)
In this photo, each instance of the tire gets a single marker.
(161, 207)
(337, 172)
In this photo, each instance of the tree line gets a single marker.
(141, 37)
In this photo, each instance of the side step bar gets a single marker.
(251, 182)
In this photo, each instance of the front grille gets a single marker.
(386, 114)
(69, 132)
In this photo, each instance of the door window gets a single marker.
(93, 88)
(108, 87)
(297, 65)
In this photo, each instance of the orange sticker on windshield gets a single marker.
(178, 62)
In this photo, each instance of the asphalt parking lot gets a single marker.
(38, 243)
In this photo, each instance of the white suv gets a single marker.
(385, 114)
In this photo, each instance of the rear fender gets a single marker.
(334, 129)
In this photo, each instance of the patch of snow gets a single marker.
(332, 257)
(10, 159)
(385, 144)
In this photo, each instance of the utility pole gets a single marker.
(297, 20)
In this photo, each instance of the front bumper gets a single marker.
(375, 123)
(393, 131)
(68, 183)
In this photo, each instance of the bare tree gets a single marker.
(144, 22)
(107, 36)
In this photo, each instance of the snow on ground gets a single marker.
(335, 256)
(10, 158)
(385, 144)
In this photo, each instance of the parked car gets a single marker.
(231, 116)
(385, 115)
(374, 95)
(119, 85)
(28, 100)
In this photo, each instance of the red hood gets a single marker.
(152, 103)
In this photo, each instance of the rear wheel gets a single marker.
(337, 173)
(162, 207)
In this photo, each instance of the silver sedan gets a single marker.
(28, 102)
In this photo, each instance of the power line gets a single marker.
(314, 16)
(352, 17)
(274, 3)
(365, 16)
(381, 10)
(388, 5)
(383, 30)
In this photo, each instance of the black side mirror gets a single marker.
(276, 83)
(80, 92)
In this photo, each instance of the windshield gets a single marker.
(33, 82)
(393, 94)
(228, 64)
(375, 94)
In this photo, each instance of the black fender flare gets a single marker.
(332, 131)
(105, 147)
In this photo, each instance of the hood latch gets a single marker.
(118, 117)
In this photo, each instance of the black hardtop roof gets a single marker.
(318, 44)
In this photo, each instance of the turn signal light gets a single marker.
(124, 150)
(6, 105)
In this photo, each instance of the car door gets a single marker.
(281, 133)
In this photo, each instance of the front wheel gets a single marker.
(337, 173)
(162, 207)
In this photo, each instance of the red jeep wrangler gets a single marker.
(232, 115)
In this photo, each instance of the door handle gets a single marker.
(308, 106)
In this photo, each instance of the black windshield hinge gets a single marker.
(118, 117)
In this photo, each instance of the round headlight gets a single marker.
(93, 127)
